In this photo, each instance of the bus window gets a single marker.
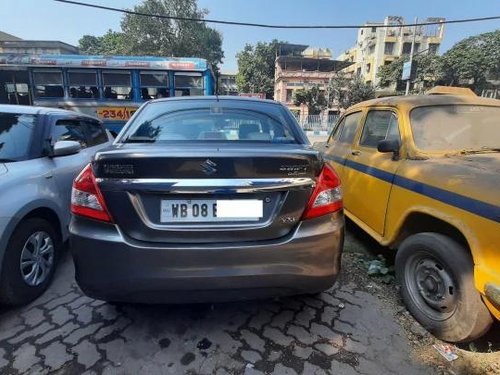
(83, 84)
(188, 84)
(48, 83)
(117, 85)
(14, 87)
(154, 85)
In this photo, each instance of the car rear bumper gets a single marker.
(113, 267)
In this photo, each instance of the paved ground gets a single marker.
(343, 331)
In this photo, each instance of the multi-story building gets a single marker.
(227, 84)
(12, 44)
(377, 46)
(298, 67)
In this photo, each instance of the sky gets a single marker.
(49, 20)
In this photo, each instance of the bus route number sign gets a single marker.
(116, 113)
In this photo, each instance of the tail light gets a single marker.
(327, 195)
(86, 198)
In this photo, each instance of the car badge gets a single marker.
(208, 167)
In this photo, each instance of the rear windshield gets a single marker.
(164, 121)
(456, 127)
(16, 131)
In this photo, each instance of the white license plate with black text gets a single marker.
(210, 210)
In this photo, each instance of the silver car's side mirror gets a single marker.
(62, 148)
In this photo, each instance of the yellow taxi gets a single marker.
(421, 175)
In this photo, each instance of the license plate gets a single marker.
(115, 113)
(210, 210)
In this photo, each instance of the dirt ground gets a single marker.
(479, 357)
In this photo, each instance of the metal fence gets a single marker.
(317, 123)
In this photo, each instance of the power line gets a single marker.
(268, 26)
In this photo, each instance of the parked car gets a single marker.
(207, 199)
(421, 175)
(41, 152)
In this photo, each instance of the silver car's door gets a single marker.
(66, 168)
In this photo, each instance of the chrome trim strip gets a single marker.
(184, 186)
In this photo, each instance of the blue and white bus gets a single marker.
(108, 87)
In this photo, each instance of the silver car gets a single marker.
(207, 199)
(41, 152)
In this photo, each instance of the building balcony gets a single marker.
(281, 74)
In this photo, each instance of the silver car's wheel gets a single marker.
(37, 258)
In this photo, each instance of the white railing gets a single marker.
(317, 123)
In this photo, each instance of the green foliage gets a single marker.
(161, 37)
(470, 62)
(474, 59)
(111, 43)
(427, 72)
(346, 91)
(256, 68)
(312, 97)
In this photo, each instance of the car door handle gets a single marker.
(355, 152)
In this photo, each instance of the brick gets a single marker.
(74, 337)
(86, 354)
(25, 358)
(60, 315)
(62, 331)
(250, 356)
(33, 316)
(42, 328)
(282, 319)
(301, 334)
(254, 341)
(277, 336)
(61, 300)
(55, 355)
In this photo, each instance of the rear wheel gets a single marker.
(29, 262)
(436, 275)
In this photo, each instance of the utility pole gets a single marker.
(411, 56)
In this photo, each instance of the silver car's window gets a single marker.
(379, 125)
(456, 127)
(16, 130)
(69, 130)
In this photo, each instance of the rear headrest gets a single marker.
(245, 129)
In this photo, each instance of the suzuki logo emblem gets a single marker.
(208, 167)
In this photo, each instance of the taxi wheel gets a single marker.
(436, 275)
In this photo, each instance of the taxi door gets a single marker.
(368, 174)
(339, 144)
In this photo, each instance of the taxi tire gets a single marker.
(13, 290)
(471, 319)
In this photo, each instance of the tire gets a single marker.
(16, 285)
(436, 275)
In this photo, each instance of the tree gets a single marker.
(167, 37)
(154, 36)
(473, 61)
(346, 91)
(111, 43)
(312, 97)
(256, 68)
(427, 71)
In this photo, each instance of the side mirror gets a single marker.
(390, 145)
(62, 148)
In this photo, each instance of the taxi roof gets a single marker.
(426, 100)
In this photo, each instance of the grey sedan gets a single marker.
(41, 152)
(207, 199)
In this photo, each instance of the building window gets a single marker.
(83, 84)
(371, 50)
(358, 71)
(368, 68)
(117, 85)
(389, 48)
(48, 83)
(406, 48)
(289, 95)
(433, 48)
(374, 29)
(154, 85)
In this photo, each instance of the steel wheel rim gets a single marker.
(37, 258)
(431, 286)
